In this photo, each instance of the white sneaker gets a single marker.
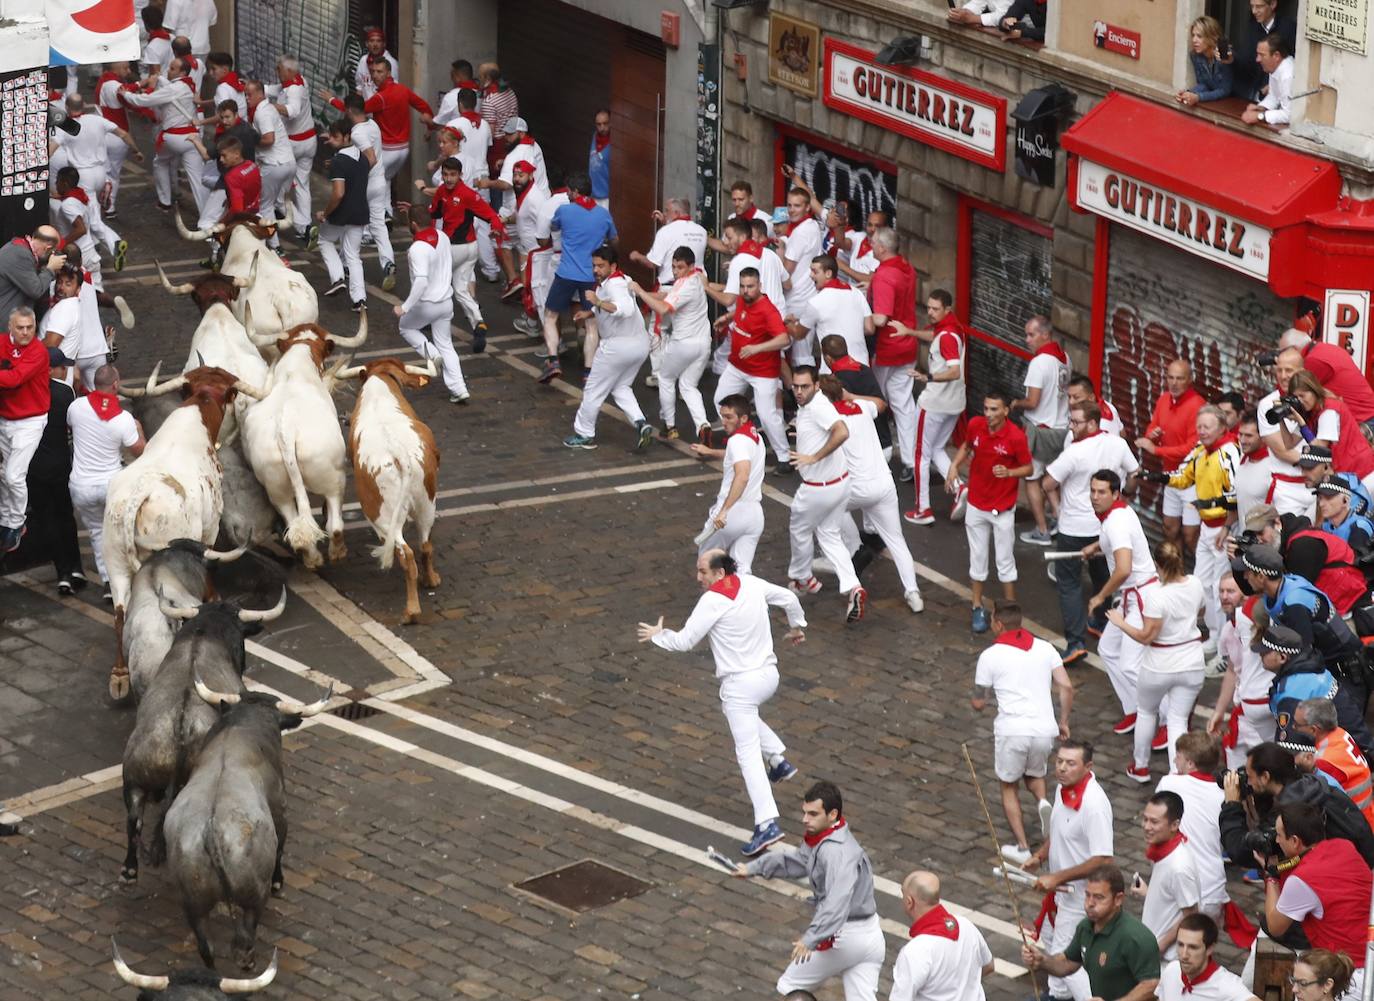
(914, 601)
(1044, 809)
(1016, 855)
(822, 565)
(651, 380)
(126, 315)
(956, 513)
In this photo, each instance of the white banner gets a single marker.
(83, 32)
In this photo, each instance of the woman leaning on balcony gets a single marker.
(1211, 69)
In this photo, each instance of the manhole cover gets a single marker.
(354, 710)
(584, 886)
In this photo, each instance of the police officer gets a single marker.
(1300, 675)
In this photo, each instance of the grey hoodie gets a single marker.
(841, 879)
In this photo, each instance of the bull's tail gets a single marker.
(395, 525)
(121, 531)
(302, 532)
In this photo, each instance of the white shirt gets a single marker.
(191, 18)
(1265, 427)
(1202, 799)
(990, 13)
(758, 213)
(531, 151)
(741, 448)
(1078, 835)
(362, 76)
(814, 422)
(670, 236)
(527, 218)
(86, 148)
(159, 51)
(108, 95)
(838, 311)
(1222, 985)
(1270, 480)
(691, 319)
(1111, 419)
(96, 443)
(431, 271)
(802, 244)
(197, 73)
(1277, 102)
(226, 92)
(771, 275)
(65, 212)
(472, 151)
(1178, 647)
(626, 323)
(1022, 681)
(740, 633)
(863, 452)
(1173, 886)
(92, 342)
(63, 317)
(266, 119)
(544, 228)
(1073, 471)
(1051, 376)
(1252, 680)
(947, 396)
(1121, 530)
(299, 117)
(172, 102)
(935, 968)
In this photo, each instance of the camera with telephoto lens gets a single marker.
(1263, 841)
(1151, 476)
(1267, 359)
(1240, 773)
(1244, 541)
(1287, 406)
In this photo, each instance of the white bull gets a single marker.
(281, 298)
(171, 491)
(293, 441)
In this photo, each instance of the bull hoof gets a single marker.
(128, 875)
(337, 549)
(310, 559)
(433, 580)
(410, 618)
(119, 683)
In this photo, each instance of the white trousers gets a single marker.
(346, 242)
(276, 181)
(1173, 694)
(88, 366)
(392, 162)
(740, 697)
(995, 527)
(541, 267)
(18, 441)
(740, 536)
(1209, 564)
(299, 190)
(816, 516)
(896, 384)
(486, 251)
(94, 178)
(378, 201)
(765, 392)
(683, 362)
(856, 958)
(878, 503)
(438, 317)
(1065, 923)
(932, 435)
(1123, 657)
(115, 155)
(612, 374)
(216, 201)
(1255, 726)
(178, 150)
(464, 256)
(88, 501)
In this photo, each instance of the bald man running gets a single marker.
(947, 957)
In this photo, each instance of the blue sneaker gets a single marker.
(981, 623)
(580, 441)
(763, 837)
(782, 771)
(645, 431)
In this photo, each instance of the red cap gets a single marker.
(525, 166)
(372, 33)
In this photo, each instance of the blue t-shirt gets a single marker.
(599, 170)
(583, 231)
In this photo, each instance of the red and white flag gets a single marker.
(82, 32)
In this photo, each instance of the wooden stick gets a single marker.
(997, 854)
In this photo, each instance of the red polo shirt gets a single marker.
(1337, 371)
(1005, 447)
(242, 187)
(1178, 420)
(892, 292)
(756, 323)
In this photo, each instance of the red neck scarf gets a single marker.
(473, 117)
(1190, 982)
(1116, 506)
(845, 364)
(836, 283)
(1054, 350)
(1072, 796)
(1221, 442)
(1106, 409)
(469, 85)
(189, 64)
(747, 430)
(105, 405)
(751, 249)
(602, 141)
(586, 201)
(848, 407)
(1202, 775)
(938, 922)
(186, 79)
(105, 78)
(1156, 852)
(428, 235)
(1258, 455)
(792, 226)
(79, 194)
(295, 81)
(814, 839)
(747, 212)
(161, 33)
(865, 245)
(727, 585)
(232, 79)
(1019, 638)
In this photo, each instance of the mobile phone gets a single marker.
(951, 3)
(1136, 880)
(1224, 48)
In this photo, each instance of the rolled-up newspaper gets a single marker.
(705, 533)
(720, 860)
(1061, 554)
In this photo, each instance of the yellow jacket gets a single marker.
(1213, 472)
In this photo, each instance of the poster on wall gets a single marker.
(708, 136)
(24, 153)
(1342, 23)
(867, 185)
(794, 52)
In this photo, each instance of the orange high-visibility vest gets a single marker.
(1338, 756)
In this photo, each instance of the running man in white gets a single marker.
(947, 957)
(76, 214)
(274, 156)
(822, 499)
(1245, 685)
(367, 137)
(618, 344)
(100, 430)
(834, 309)
(88, 144)
(178, 139)
(735, 520)
(733, 613)
(293, 104)
(871, 490)
(1171, 893)
(430, 303)
(1195, 975)
(801, 245)
(110, 89)
(675, 230)
(755, 343)
(688, 341)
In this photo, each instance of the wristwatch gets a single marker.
(1261, 114)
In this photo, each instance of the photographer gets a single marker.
(1270, 781)
(1334, 425)
(1263, 478)
(1334, 369)
(1280, 425)
(1299, 675)
(1323, 886)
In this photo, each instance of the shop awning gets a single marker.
(1179, 152)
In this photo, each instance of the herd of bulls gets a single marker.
(234, 464)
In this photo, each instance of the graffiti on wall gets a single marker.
(832, 175)
(316, 31)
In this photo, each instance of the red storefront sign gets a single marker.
(1116, 39)
(930, 109)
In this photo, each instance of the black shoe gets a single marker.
(8, 830)
(360, 306)
(64, 588)
(783, 469)
(77, 579)
(479, 338)
(863, 556)
(337, 287)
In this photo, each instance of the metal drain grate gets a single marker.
(354, 711)
(584, 886)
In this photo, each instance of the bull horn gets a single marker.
(230, 985)
(356, 341)
(299, 709)
(264, 614)
(252, 275)
(170, 386)
(228, 556)
(351, 372)
(185, 288)
(259, 340)
(175, 611)
(248, 389)
(289, 221)
(200, 359)
(134, 393)
(191, 234)
(426, 369)
(142, 980)
(215, 698)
